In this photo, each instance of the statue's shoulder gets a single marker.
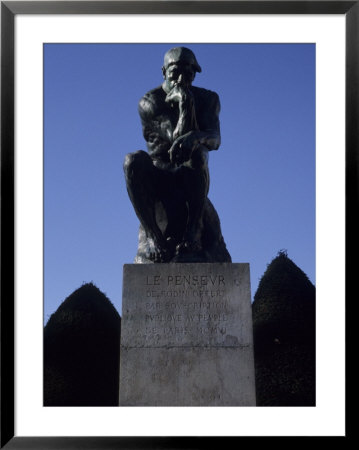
(151, 101)
(206, 98)
(205, 94)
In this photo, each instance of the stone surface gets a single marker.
(186, 336)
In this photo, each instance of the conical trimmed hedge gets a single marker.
(284, 335)
(81, 351)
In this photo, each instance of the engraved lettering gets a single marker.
(187, 279)
(153, 281)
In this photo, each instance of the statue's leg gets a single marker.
(174, 203)
(142, 179)
(195, 179)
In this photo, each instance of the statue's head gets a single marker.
(179, 61)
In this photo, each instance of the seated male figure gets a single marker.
(180, 124)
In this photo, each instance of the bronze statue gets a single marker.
(168, 186)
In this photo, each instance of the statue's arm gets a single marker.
(207, 132)
(153, 131)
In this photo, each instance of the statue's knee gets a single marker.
(134, 161)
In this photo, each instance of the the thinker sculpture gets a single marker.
(168, 186)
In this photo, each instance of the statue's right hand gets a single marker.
(178, 94)
(175, 95)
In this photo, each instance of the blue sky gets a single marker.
(262, 176)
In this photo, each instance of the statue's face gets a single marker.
(180, 73)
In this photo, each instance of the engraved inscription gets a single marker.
(179, 308)
(186, 280)
(185, 293)
(171, 318)
(185, 286)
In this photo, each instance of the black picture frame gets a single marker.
(9, 9)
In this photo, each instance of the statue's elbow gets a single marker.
(216, 143)
(212, 141)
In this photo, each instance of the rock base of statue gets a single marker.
(186, 335)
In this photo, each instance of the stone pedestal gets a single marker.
(186, 335)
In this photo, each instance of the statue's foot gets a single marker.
(157, 256)
(189, 252)
(159, 253)
(188, 246)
